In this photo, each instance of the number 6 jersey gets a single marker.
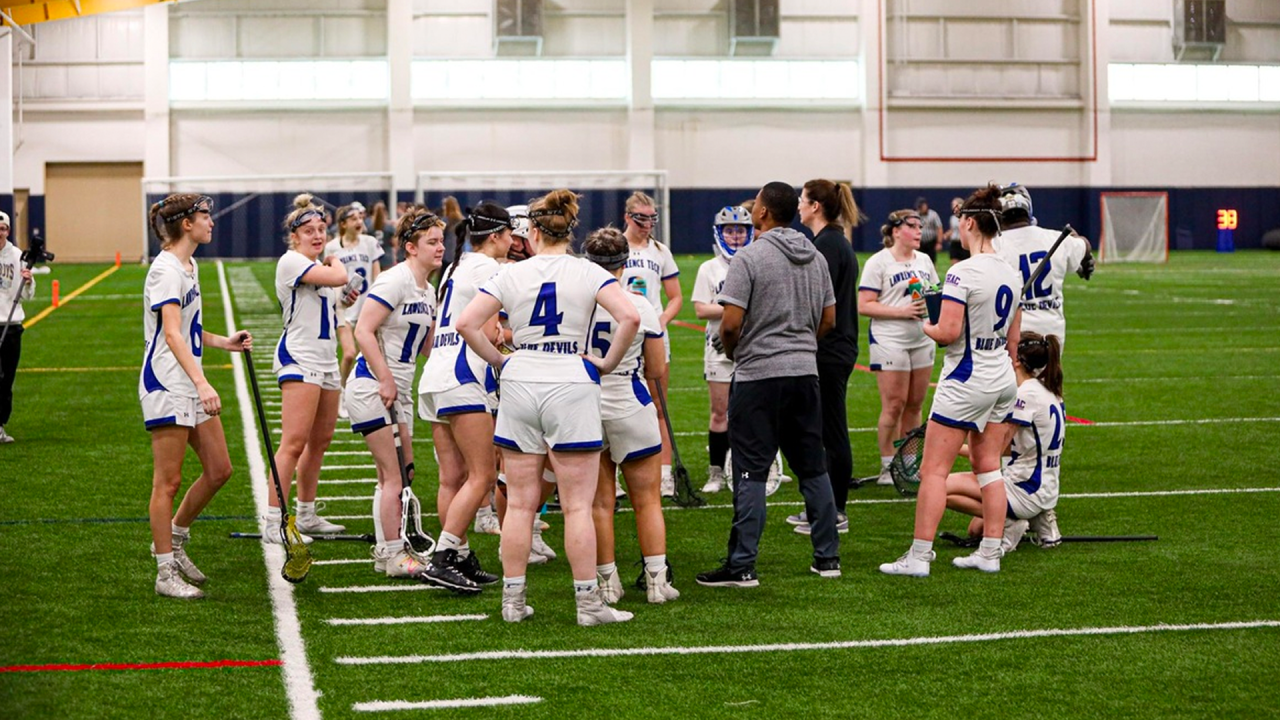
(169, 282)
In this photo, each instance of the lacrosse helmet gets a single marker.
(731, 215)
(1015, 197)
(519, 220)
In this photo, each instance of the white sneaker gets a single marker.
(909, 564)
(270, 530)
(885, 478)
(400, 564)
(610, 587)
(316, 525)
(1013, 532)
(487, 522)
(715, 480)
(656, 587)
(800, 518)
(980, 560)
(514, 608)
(1045, 526)
(668, 489)
(540, 548)
(342, 404)
(169, 583)
(5, 438)
(185, 566)
(379, 561)
(592, 610)
(772, 483)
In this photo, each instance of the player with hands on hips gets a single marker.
(179, 406)
(890, 293)
(306, 364)
(977, 389)
(394, 326)
(550, 406)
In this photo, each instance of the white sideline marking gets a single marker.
(406, 620)
(1204, 421)
(387, 705)
(349, 467)
(1167, 493)
(1172, 378)
(299, 685)
(343, 498)
(801, 647)
(406, 587)
(344, 561)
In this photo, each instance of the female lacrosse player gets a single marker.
(630, 433)
(393, 329)
(359, 254)
(651, 270)
(550, 407)
(901, 354)
(1031, 478)
(455, 395)
(306, 364)
(731, 231)
(179, 406)
(978, 387)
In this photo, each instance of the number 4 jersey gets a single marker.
(1023, 248)
(169, 282)
(984, 286)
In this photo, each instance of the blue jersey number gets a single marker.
(197, 336)
(598, 341)
(406, 354)
(444, 308)
(1004, 303)
(1029, 263)
(1055, 412)
(364, 280)
(325, 309)
(544, 310)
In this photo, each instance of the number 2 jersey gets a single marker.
(1023, 248)
(406, 328)
(550, 302)
(169, 282)
(451, 363)
(310, 315)
(1040, 421)
(984, 285)
(357, 260)
(623, 391)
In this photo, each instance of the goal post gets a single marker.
(248, 209)
(604, 193)
(1135, 227)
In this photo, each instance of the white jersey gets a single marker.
(623, 391)
(550, 302)
(358, 260)
(402, 335)
(706, 287)
(985, 286)
(1023, 248)
(169, 282)
(451, 362)
(645, 270)
(11, 287)
(310, 315)
(891, 280)
(1037, 445)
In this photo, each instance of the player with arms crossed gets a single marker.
(550, 406)
(977, 389)
(179, 406)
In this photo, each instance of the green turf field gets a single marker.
(1176, 366)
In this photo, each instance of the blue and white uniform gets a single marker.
(455, 379)
(358, 260)
(978, 384)
(400, 337)
(550, 396)
(167, 393)
(308, 347)
(711, 274)
(1023, 248)
(1031, 477)
(644, 272)
(897, 345)
(627, 412)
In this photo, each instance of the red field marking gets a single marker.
(690, 326)
(142, 666)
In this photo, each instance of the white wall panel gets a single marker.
(202, 37)
(824, 38)
(453, 37)
(576, 36)
(1190, 149)
(691, 36)
(78, 137)
(987, 133)
(278, 142)
(520, 140)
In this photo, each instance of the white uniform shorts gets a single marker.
(716, 367)
(561, 416)
(961, 405)
(161, 408)
(327, 380)
(890, 359)
(365, 408)
(633, 437)
(1022, 505)
(469, 397)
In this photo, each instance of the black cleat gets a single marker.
(443, 571)
(470, 567)
(724, 577)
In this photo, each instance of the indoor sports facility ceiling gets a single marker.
(31, 12)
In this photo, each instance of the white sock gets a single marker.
(884, 462)
(922, 547)
(182, 532)
(448, 541)
(655, 563)
(165, 558)
(464, 550)
(390, 546)
(273, 516)
(585, 586)
(607, 569)
(513, 582)
(537, 530)
(989, 546)
(666, 472)
(378, 532)
(306, 508)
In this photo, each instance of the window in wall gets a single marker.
(265, 80)
(524, 80)
(783, 81)
(1193, 84)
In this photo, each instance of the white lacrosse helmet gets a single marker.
(1015, 197)
(519, 220)
(731, 215)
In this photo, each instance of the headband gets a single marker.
(305, 217)
(351, 210)
(995, 215)
(203, 200)
(610, 262)
(903, 218)
(499, 225)
(547, 212)
(426, 220)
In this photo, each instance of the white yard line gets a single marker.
(344, 561)
(370, 466)
(1203, 421)
(406, 587)
(410, 620)
(802, 647)
(349, 481)
(392, 705)
(345, 498)
(299, 685)
(1172, 378)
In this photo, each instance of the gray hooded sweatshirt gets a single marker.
(782, 283)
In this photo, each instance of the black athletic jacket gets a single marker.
(840, 346)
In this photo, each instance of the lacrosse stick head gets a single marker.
(686, 496)
(905, 466)
(298, 558)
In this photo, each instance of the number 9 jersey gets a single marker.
(984, 286)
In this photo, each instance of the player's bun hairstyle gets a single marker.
(984, 207)
(1041, 356)
(639, 199)
(480, 225)
(781, 200)
(838, 205)
(607, 247)
(896, 218)
(167, 215)
(555, 215)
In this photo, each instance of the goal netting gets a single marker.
(248, 210)
(603, 193)
(1135, 227)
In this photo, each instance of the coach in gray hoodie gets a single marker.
(778, 301)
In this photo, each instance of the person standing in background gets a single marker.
(16, 285)
(930, 229)
(954, 245)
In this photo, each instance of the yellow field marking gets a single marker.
(108, 369)
(71, 296)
